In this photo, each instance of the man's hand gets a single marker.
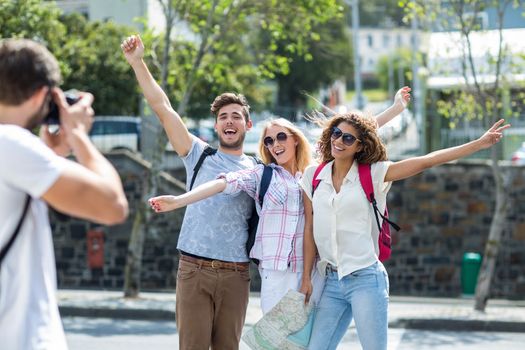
(75, 120)
(133, 49)
(402, 97)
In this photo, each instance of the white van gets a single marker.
(114, 133)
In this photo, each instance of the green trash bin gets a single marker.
(469, 272)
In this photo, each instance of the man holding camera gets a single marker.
(35, 173)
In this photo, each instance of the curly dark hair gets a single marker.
(229, 98)
(372, 148)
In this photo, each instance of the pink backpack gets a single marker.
(365, 177)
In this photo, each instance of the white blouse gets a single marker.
(344, 224)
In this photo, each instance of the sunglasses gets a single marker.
(281, 137)
(348, 139)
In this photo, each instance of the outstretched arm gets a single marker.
(401, 101)
(412, 166)
(168, 203)
(309, 249)
(177, 132)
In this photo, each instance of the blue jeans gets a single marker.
(362, 295)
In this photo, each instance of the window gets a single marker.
(386, 40)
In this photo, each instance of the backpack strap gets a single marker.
(265, 182)
(365, 177)
(315, 180)
(208, 151)
(5, 249)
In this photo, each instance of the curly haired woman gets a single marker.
(341, 226)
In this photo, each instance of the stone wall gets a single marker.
(443, 213)
(160, 255)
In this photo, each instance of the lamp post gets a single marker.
(416, 85)
(360, 103)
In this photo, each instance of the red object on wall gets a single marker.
(95, 249)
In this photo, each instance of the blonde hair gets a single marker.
(372, 148)
(303, 150)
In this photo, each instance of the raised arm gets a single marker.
(309, 249)
(401, 101)
(175, 128)
(90, 189)
(412, 166)
(167, 203)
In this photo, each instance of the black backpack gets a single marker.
(253, 221)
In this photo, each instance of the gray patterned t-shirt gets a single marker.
(216, 227)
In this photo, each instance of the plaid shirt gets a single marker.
(279, 240)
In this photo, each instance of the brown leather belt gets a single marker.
(217, 264)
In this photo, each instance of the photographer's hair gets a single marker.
(25, 67)
(303, 150)
(229, 98)
(372, 148)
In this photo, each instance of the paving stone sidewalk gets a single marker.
(404, 312)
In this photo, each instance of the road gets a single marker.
(108, 334)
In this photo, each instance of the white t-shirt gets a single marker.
(345, 228)
(29, 317)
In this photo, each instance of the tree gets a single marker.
(481, 98)
(31, 19)
(224, 29)
(85, 51)
(401, 69)
(329, 59)
(92, 62)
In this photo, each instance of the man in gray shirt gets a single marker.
(213, 280)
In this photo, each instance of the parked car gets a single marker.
(114, 133)
(518, 157)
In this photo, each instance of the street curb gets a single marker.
(443, 324)
(435, 324)
(130, 314)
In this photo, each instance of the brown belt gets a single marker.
(217, 264)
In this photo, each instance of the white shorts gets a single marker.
(275, 284)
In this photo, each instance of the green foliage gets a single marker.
(31, 19)
(239, 47)
(88, 52)
(401, 61)
(329, 58)
(94, 62)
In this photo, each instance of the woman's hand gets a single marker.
(402, 97)
(493, 135)
(306, 289)
(165, 203)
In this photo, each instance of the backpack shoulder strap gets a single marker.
(208, 151)
(315, 180)
(5, 249)
(265, 182)
(365, 177)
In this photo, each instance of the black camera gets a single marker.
(53, 116)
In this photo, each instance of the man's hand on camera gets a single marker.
(55, 140)
(133, 49)
(75, 122)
